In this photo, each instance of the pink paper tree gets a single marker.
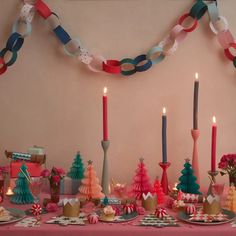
(90, 187)
(157, 189)
(141, 183)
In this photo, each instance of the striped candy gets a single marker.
(36, 209)
(190, 209)
(160, 213)
(93, 218)
(129, 208)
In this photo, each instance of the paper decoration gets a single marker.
(22, 194)
(211, 205)
(141, 183)
(90, 187)
(71, 207)
(201, 216)
(77, 168)
(28, 222)
(93, 218)
(230, 202)
(64, 221)
(149, 201)
(153, 221)
(188, 180)
(165, 48)
(157, 189)
(191, 198)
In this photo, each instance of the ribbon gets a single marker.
(13, 58)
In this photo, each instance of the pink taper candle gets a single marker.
(213, 145)
(105, 125)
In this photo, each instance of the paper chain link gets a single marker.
(127, 66)
(16, 40)
(219, 26)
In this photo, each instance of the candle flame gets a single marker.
(105, 90)
(164, 110)
(214, 119)
(176, 185)
(9, 191)
(196, 75)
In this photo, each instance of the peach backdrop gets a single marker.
(52, 100)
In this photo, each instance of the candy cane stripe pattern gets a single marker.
(129, 208)
(190, 209)
(160, 213)
(93, 218)
(36, 209)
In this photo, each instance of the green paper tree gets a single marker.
(22, 193)
(188, 180)
(77, 168)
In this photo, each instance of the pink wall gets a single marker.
(51, 100)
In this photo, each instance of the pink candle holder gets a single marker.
(195, 134)
(164, 179)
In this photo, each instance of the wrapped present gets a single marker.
(149, 201)
(69, 186)
(34, 169)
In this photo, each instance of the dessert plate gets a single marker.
(16, 216)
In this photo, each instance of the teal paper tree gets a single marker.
(22, 193)
(77, 168)
(188, 180)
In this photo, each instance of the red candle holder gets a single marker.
(164, 179)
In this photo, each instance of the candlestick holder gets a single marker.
(195, 134)
(164, 178)
(213, 175)
(105, 171)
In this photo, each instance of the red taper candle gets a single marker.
(213, 145)
(105, 125)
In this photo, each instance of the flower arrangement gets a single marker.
(55, 177)
(227, 165)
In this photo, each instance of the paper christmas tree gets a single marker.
(90, 187)
(230, 202)
(22, 193)
(157, 189)
(141, 183)
(77, 168)
(188, 180)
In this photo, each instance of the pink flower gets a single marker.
(223, 165)
(56, 178)
(60, 171)
(45, 173)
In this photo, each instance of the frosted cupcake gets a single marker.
(108, 214)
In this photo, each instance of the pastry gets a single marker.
(108, 214)
(4, 214)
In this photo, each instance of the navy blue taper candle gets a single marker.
(164, 144)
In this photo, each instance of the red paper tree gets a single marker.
(90, 187)
(157, 189)
(141, 183)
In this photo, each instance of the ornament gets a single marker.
(36, 209)
(190, 209)
(160, 213)
(93, 218)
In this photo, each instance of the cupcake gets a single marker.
(108, 213)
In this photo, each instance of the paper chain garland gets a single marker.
(73, 47)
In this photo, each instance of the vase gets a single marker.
(55, 192)
(232, 180)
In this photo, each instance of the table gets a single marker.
(116, 229)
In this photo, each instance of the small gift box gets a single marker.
(69, 186)
(34, 169)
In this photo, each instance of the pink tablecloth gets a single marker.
(103, 229)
